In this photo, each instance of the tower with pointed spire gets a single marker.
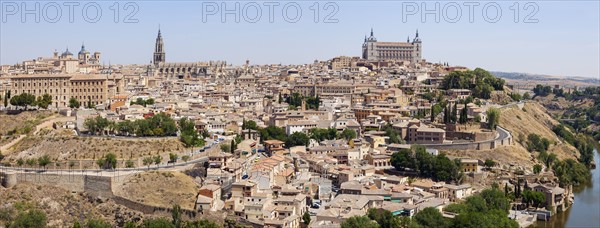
(373, 50)
(159, 51)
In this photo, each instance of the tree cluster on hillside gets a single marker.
(188, 133)
(581, 142)
(26, 99)
(533, 198)
(493, 116)
(572, 172)
(487, 209)
(537, 143)
(515, 96)
(295, 101)
(394, 135)
(439, 168)
(158, 125)
(479, 81)
(321, 134)
(542, 91)
(302, 139)
(583, 116)
(250, 124)
(108, 161)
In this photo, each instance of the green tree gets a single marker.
(297, 139)
(97, 223)
(359, 222)
(44, 101)
(108, 161)
(435, 110)
(306, 218)
(204, 223)
(150, 101)
(463, 115)
(44, 160)
(157, 159)
(32, 218)
(233, 146)
(430, 217)
(31, 162)
(493, 115)
(489, 163)
(173, 157)
(403, 159)
(20, 162)
(74, 103)
(348, 134)
(537, 143)
(495, 199)
(6, 97)
(526, 96)
(250, 124)
(147, 161)
(157, 223)
(536, 199)
(189, 136)
(385, 218)
(129, 164)
(185, 158)
(176, 215)
(225, 147)
(24, 99)
(537, 168)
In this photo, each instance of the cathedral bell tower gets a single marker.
(159, 51)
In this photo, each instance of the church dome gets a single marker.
(67, 52)
(83, 51)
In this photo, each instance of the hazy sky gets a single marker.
(564, 41)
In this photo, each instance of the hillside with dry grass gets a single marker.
(158, 188)
(534, 119)
(62, 145)
(21, 123)
(61, 206)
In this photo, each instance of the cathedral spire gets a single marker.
(408, 39)
(417, 33)
(371, 31)
(159, 52)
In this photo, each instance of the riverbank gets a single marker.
(585, 211)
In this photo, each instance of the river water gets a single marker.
(585, 212)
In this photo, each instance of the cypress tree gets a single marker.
(432, 115)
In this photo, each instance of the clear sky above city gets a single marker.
(546, 37)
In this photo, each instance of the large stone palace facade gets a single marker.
(94, 89)
(374, 50)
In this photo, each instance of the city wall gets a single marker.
(95, 185)
(483, 145)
